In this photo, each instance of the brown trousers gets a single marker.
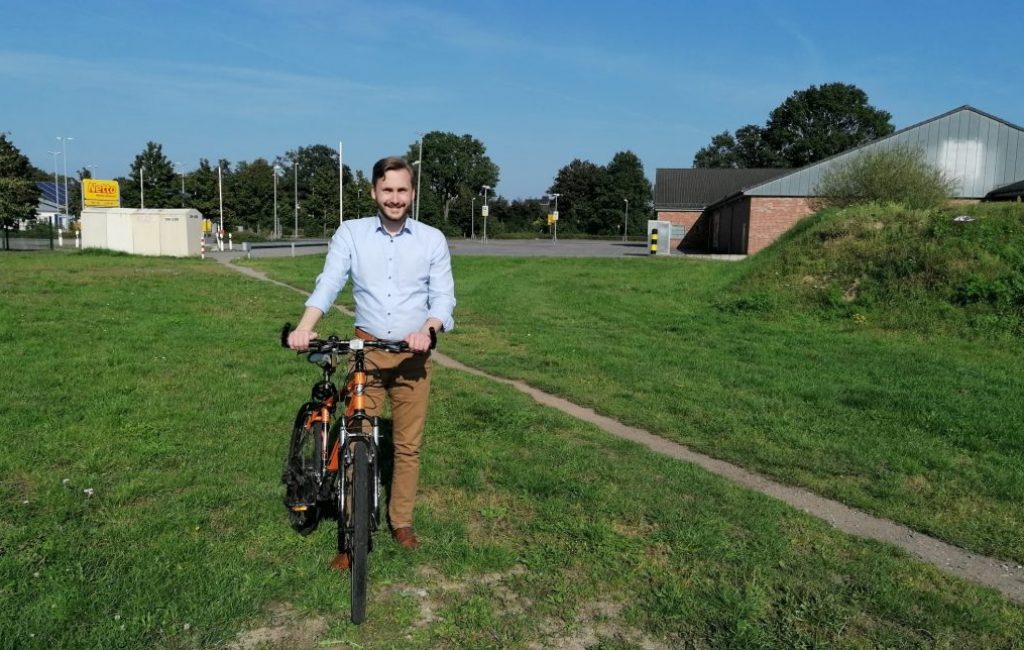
(404, 379)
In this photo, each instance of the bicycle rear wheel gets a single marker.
(359, 542)
(301, 475)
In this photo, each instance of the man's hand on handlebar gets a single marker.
(418, 342)
(298, 340)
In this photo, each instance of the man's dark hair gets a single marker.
(390, 164)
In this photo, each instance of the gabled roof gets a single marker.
(695, 189)
(978, 151)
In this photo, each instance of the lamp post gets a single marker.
(554, 226)
(625, 221)
(64, 152)
(56, 189)
(472, 218)
(142, 187)
(178, 164)
(419, 175)
(341, 180)
(484, 209)
(220, 200)
(295, 169)
(277, 226)
(416, 199)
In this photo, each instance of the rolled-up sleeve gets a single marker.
(441, 290)
(336, 271)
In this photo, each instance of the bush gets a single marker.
(896, 175)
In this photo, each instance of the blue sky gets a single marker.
(540, 83)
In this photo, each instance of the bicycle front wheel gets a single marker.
(359, 542)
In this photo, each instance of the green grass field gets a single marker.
(146, 416)
(916, 421)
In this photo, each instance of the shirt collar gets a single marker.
(405, 226)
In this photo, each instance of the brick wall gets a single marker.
(770, 216)
(689, 219)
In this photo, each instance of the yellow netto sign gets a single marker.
(101, 194)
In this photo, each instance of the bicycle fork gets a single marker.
(372, 442)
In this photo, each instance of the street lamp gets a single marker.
(554, 226)
(142, 187)
(472, 218)
(277, 226)
(419, 175)
(625, 221)
(341, 179)
(177, 164)
(220, 201)
(295, 169)
(416, 199)
(64, 152)
(56, 188)
(484, 209)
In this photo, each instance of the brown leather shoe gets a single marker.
(405, 537)
(340, 562)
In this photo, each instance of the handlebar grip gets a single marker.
(285, 331)
(433, 338)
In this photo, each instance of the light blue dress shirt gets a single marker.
(398, 281)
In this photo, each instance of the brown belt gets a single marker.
(363, 334)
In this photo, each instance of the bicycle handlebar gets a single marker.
(335, 344)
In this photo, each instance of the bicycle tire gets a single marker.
(359, 541)
(301, 474)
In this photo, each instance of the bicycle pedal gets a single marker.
(298, 508)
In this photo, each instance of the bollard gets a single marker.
(654, 242)
(202, 247)
(60, 237)
(231, 242)
(78, 239)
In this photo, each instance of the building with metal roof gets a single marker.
(979, 152)
(682, 195)
(51, 203)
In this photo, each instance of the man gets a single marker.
(402, 284)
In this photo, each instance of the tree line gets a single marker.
(456, 175)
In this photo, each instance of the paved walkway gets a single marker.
(1005, 576)
(506, 247)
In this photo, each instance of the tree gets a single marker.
(201, 188)
(154, 169)
(19, 195)
(454, 166)
(252, 195)
(898, 174)
(627, 182)
(592, 198)
(808, 126)
(317, 185)
(822, 121)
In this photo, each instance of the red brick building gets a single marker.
(734, 211)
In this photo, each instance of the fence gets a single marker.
(251, 247)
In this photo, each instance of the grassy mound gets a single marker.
(955, 270)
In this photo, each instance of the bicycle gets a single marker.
(332, 463)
